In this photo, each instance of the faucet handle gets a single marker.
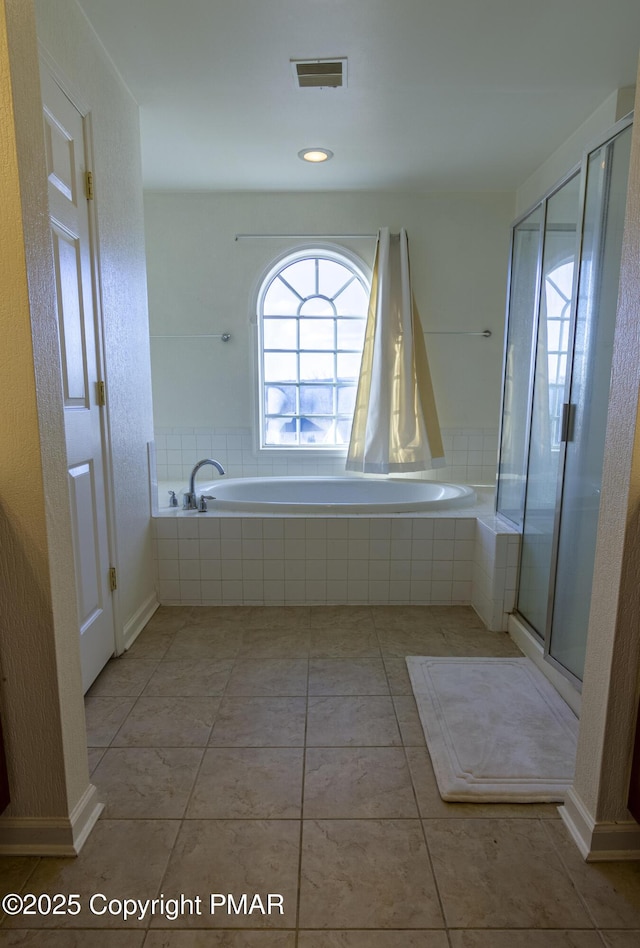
(203, 502)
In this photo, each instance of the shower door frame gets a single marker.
(544, 638)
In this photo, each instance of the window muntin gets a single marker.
(312, 315)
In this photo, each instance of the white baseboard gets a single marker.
(136, 624)
(599, 842)
(32, 836)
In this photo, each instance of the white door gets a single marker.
(79, 340)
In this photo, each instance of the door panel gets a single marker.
(83, 416)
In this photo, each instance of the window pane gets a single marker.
(317, 306)
(351, 333)
(353, 301)
(280, 367)
(302, 277)
(316, 365)
(279, 300)
(346, 399)
(349, 365)
(281, 431)
(316, 399)
(280, 333)
(333, 277)
(280, 399)
(316, 334)
(343, 432)
(316, 431)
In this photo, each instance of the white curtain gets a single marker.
(395, 422)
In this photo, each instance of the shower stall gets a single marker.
(562, 297)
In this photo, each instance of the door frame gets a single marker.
(46, 61)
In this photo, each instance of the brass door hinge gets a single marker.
(113, 579)
(101, 393)
(88, 185)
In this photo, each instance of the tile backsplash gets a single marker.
(471, 455)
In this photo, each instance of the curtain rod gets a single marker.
(306, 236)
(225, 336)
(457, 332)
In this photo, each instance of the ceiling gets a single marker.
(442, 94)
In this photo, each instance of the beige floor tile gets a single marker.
(169, 619)
(472, 642)
(351, 721)
(219, 618)
(344, 643)
(121, 859)
(235, 856)
(397, 676)
(366, 873)
(278, 618)
(190, 678)
(502, 874)
(137, 782)
(103, 717)
(121, 678)
(35, 938)
(611, 890)
(357, 783)
(408, 618)
(14, 872)
(150, 645)
(347, 676)
(220, 939)
(409, 720)
(332, 618)
(432, 806)
(94, 755)
(168, 722)
(260, 722)
(274, 643)
(371, 939)
(399, 644)
(268, 677)
(204, 645)
(629, 939)
(525, 939)
(248, 783)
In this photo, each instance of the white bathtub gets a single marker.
(334, 495)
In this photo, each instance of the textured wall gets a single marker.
(41, 690)
(68, 39)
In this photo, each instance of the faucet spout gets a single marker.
(190, 500)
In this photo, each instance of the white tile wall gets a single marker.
(202, 559)
(471, 455)
(497, 547)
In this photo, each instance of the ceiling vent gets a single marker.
(319, 73)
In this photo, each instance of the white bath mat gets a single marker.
(496, 730)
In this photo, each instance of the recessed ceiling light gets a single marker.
(315, 154)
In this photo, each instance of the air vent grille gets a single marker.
(320, 73)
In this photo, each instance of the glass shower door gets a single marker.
(550, 373)
(586, 414)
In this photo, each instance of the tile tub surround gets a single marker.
(313, 781)
(446, 557)
(471, 456)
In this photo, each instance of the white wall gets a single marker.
(202, 281)
(68, 39)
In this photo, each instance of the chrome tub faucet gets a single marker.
(190, 499)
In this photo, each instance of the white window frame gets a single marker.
(316, 249)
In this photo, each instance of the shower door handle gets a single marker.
(568, 418)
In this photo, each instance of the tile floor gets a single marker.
(278, 750)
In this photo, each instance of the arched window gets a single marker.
(312, 309)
